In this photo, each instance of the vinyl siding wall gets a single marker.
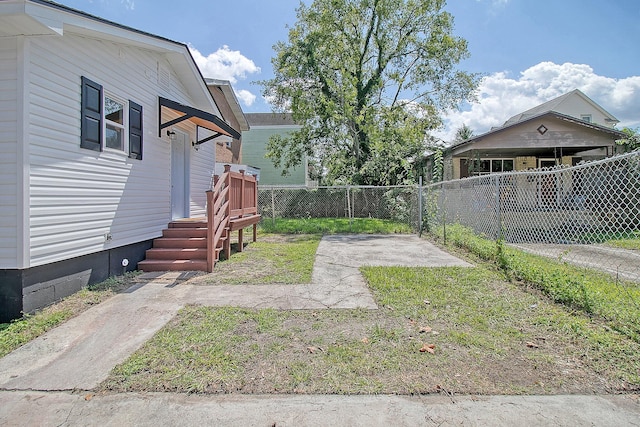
(9, 206)
(202, 171)
(77, 196)
(575, 106)
(254, 148)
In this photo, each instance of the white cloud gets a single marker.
(246, 97)
(128, 4)
(227, 64)
(500, 96)
(224, 64)
(495, 3)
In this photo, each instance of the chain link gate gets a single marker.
(588, 214)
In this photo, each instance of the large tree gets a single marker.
(367, 80)
(631, 141)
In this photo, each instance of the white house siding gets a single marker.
(202, 171)
(77, 196)
(8, 153)
(576, 106)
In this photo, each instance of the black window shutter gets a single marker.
(91, 115)
(135, 130)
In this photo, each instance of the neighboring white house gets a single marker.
(97, 126)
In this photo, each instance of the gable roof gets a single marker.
(555, 104)
(552, 114)
(46, 17)
(231, 99)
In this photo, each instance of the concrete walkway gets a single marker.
(48, 381)
(617, 262)
(22, 408)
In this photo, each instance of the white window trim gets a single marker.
(124, 126)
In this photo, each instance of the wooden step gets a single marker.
(173, 265)
(188, 224)
(184, 232)
(180, 242)
(176, 253)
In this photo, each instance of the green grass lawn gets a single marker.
(510, 325)
(273, 259)
(593, 292)
(487, 336)
(629, 240)
(333, 226)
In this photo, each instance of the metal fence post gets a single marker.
(444, 215)
(420, 206)
(273, 208)
(498, 209)
(349, 209)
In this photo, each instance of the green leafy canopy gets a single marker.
(366, 80)
(631, 141)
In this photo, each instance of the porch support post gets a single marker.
(227, 243)
(210, 230)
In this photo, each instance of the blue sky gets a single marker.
(528, 51)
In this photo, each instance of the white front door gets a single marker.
(180, 176)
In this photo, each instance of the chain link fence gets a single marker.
(398, 203)
(588, 214)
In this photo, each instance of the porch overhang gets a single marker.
(200, 118)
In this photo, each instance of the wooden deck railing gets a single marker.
(231, 205)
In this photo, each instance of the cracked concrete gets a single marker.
(48, 381)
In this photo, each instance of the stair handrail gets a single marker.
(218, 214)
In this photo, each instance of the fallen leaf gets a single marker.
(425, 329)
(428, 348)
(88, 397)
(532, 344)
(365, 340)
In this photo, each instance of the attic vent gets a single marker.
(164, 77)
(542, 129)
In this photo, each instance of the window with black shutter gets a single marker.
(135, 130)
(106, 119)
